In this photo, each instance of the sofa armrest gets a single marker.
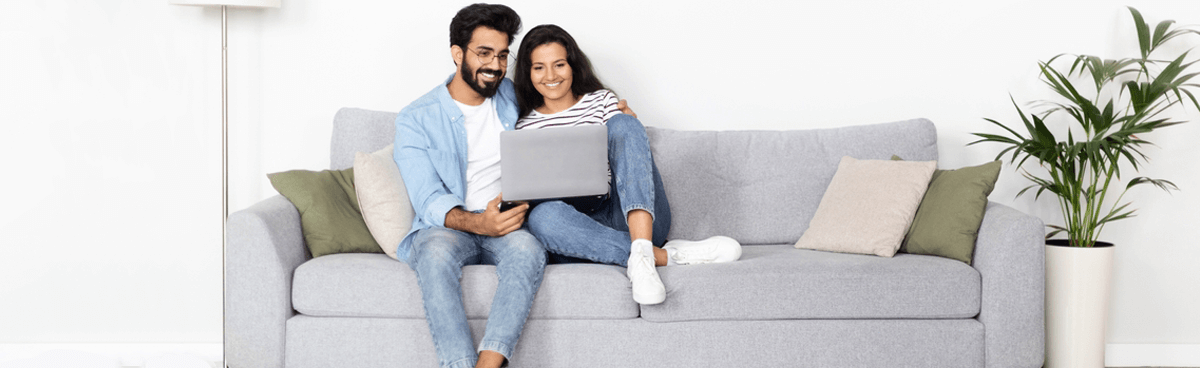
(1010, 258)
(264, 247)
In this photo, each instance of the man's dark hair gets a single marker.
(583, 78)
(494, 16)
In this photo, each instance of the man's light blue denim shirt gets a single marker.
(431, 152)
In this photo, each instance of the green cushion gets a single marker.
(329, 214)
(947, 223)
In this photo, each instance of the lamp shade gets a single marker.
(235, 3)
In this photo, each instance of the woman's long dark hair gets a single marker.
(583, 81)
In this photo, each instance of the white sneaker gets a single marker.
(647, 286)
(717, 249)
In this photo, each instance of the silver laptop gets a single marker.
(554, 163)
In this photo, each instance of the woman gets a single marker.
(557, 87)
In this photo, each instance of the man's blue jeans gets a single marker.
(438, 256)
(603, 235)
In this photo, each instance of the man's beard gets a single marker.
(488, 89)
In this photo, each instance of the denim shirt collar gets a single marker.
(504, 100)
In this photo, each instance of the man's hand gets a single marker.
(496, 223)
(491, 222)
(624, 107)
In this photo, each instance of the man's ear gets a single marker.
(456, 54)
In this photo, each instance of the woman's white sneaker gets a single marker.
(717, 249)
(647, 286)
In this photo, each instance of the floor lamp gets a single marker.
(224, 4)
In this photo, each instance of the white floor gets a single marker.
(110, 355)
(210, 355)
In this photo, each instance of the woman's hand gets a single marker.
(624, 107)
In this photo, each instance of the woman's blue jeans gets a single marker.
(438, 256)
(603, 235)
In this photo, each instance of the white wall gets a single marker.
(111, 113)
(111, 220)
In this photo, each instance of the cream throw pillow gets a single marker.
(382, 198)
(868, 206)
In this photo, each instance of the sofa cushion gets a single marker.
(373, 285)
(762, 187)
(780, 282)
(328, 206)
(947, 224)
(868, 206)
(383, 198)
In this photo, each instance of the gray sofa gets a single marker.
(777, 306)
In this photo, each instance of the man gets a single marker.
(447, 147)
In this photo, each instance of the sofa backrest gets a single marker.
(759, 187)
(358, 130)
(762, 187)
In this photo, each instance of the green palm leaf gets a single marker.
(1143, 32)
(1161, 184)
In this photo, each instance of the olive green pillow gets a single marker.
(329, 213)
(947, 222)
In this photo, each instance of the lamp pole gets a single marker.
(224, 135)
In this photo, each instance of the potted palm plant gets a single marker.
(1109, 104)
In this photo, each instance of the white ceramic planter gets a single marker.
(1077, 287)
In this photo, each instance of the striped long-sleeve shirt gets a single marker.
(593, 108)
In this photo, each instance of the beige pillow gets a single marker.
(868, 206)
(382, 198)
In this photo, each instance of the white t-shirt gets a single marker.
(483, 127)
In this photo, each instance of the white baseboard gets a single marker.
(124, 355)
(1152, 355)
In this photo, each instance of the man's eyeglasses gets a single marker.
(485, 56)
